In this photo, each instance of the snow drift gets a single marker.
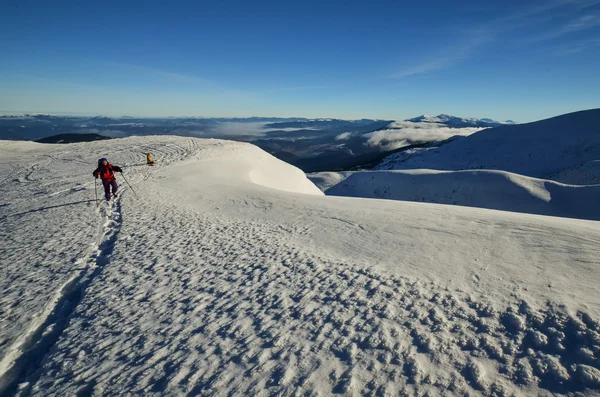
(240, 164)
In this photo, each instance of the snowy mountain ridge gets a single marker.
(539, 149)
(458, 122)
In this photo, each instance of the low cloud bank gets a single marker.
(237, 129)
(405, 133)
(343, 137)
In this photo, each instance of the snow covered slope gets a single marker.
(587, 173)
(540, 149)
(220, 275)
(479, 188)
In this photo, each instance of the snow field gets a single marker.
(205, 283)
(223, 307)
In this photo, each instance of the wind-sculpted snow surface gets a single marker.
(207, 306)
(207, 283)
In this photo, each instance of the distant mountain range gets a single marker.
(337, 125)
(459, 122)
(548, 167)
(311, 144)
(37, 126)
(542, 149)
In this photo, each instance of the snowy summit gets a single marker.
(224, 271)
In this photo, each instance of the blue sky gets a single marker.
(383, 59)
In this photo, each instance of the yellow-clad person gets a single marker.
(149, 160)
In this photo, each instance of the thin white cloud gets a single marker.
(574, 22)
(580, 46)
(431, 66)
(181, 79)
(564, 17)
(343, 137)
(526, 13)
(407, 133)
(583, 22)
(167, 75)
(582, 4)
(210, 84)
(544, 10)
(239, 129)
(445, 59)
(290, 129)
(564, 51)
(300, 88)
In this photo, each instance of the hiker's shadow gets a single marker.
(139, 165)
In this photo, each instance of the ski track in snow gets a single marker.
(172, 299)
(42, 276)
(25, 356)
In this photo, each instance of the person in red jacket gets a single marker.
(106, 172)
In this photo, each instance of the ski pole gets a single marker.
(96, 189)
(128, 184)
